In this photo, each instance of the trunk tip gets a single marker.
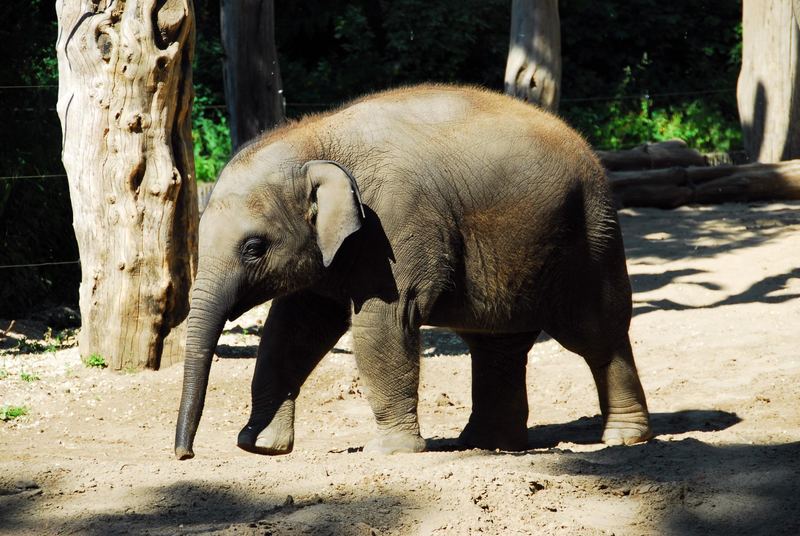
(182, 453)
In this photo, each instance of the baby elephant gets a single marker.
(437, 205)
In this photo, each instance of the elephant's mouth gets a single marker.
(238, 310)
(242, 306)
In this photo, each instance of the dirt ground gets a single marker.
(716, 338)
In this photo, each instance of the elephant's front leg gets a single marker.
(387, 354)
(299, 331)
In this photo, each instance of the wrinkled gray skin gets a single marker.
(476, 212)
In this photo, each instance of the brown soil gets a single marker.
(716, 339)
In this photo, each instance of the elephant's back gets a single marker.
(451, 134)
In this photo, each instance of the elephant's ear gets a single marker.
(335, 204)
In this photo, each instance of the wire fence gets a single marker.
(38, 264)
(606, 98)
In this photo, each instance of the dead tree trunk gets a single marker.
(652, 156)
(533, 68)
(124, 100)
(676, 186)
(768, 90)
(253, 89)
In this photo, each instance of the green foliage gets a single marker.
(95, 361)
(3, 374)
(9, 413)
(700, 123)
(26, 377)
(680, 69)
(211, 139)
(210, 136)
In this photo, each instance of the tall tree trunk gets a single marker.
(124, 99)
(253, 89)
(533, 69)
(769, 82)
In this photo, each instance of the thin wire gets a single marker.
(40, 86)
(649, 95)
(46, 176)
(55, 263)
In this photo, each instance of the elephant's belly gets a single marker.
(462, 314)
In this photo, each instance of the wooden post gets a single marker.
(253, 89)
(533, 68)
(124, 100)
(768, 90)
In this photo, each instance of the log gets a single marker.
(651, 156)
(676, 186)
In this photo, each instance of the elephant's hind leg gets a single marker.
(622, 401)
(300, 329)
(499, 416)
(607, 350)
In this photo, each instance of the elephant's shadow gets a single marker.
(587, 430)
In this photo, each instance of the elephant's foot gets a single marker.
(494, 435)
(276, 438)
(395, 443)
(627, 429)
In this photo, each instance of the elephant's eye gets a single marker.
(254, 248)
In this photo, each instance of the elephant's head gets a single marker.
(269, 230)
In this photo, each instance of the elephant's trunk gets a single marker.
(209, 307)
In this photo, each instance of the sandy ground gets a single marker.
(716, 339)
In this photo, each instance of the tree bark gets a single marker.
(533, 68)
(768, 91)
(253, 89)
(676, 186)
(652, 156)
(125, 96)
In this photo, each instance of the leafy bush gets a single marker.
(700, 123)
(212, 142)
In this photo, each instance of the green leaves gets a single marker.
(211, 140)
(95, 361)
(9, 413)
(622, 124)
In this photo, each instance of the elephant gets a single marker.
(429, 205)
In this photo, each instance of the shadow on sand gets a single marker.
(697, 488)
(587, 430)
(653, 237)
(199, 507)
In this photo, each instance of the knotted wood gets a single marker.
(125, 95)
